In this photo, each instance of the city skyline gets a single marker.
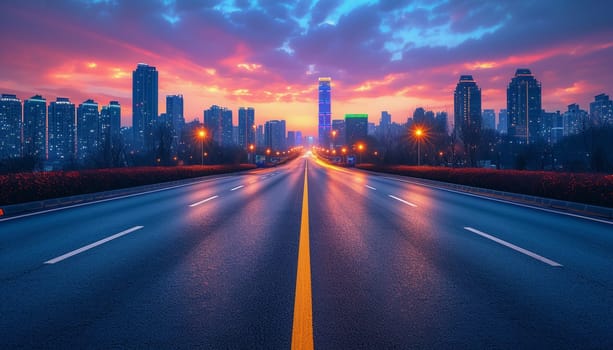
(381, 56)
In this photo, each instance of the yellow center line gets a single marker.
(302, 330)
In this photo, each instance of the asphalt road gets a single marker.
(359, 260)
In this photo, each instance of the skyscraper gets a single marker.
(218, 120)
(61, 130)
(574, 120)
(550, 131)
(356, 128)
(467, 115)
(10, 126)
(386, 120)
(114, 110)
(274, 134)
(174, 108)
(144, 106)
(467, 108)
(88, 137)
(35, 127)
(440, 122)
(109, 128)
(524, 106)
(502, 121)
(325, 112)
(489, 119)
(291, 139)
(175, 119)
(246, 130)
(260, 140)
(601, 110)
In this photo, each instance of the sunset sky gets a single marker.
(381, 55)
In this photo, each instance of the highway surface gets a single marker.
(305, 255)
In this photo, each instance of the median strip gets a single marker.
(514, 247)
(93, 245)
(203, 201)
(302, 329)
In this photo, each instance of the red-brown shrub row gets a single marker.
(26, 187)
(596, 189)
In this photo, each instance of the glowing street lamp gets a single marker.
(334, 138)
(361, 149)
(418, 135)
(251, 148)
(202, 135)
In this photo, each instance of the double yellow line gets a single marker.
(302, 330)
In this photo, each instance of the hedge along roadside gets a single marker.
(28, 187)
(593, 189)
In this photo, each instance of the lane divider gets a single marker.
(372, 188)
(514, 247)
(93, 245)
(203, 201)
(403, 201)
(302, 328)
(603, 221)
(237, 187)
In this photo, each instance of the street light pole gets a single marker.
(418, 153)
(418, 135)
(202, 134)
(333, 138)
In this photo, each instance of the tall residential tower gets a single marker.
(467, 114)
(62, 128)
(88, 137)
(144, 106)
(524, 107)
(10, 126)
(246, 127)
(35, 127)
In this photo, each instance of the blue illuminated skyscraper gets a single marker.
(325, 112)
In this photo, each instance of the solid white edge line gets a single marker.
(111, 199)
(514, 247)
(372, 188)
(553, 211)
(93, 245)
(203, 201)
(403, 201)
(237, 187)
